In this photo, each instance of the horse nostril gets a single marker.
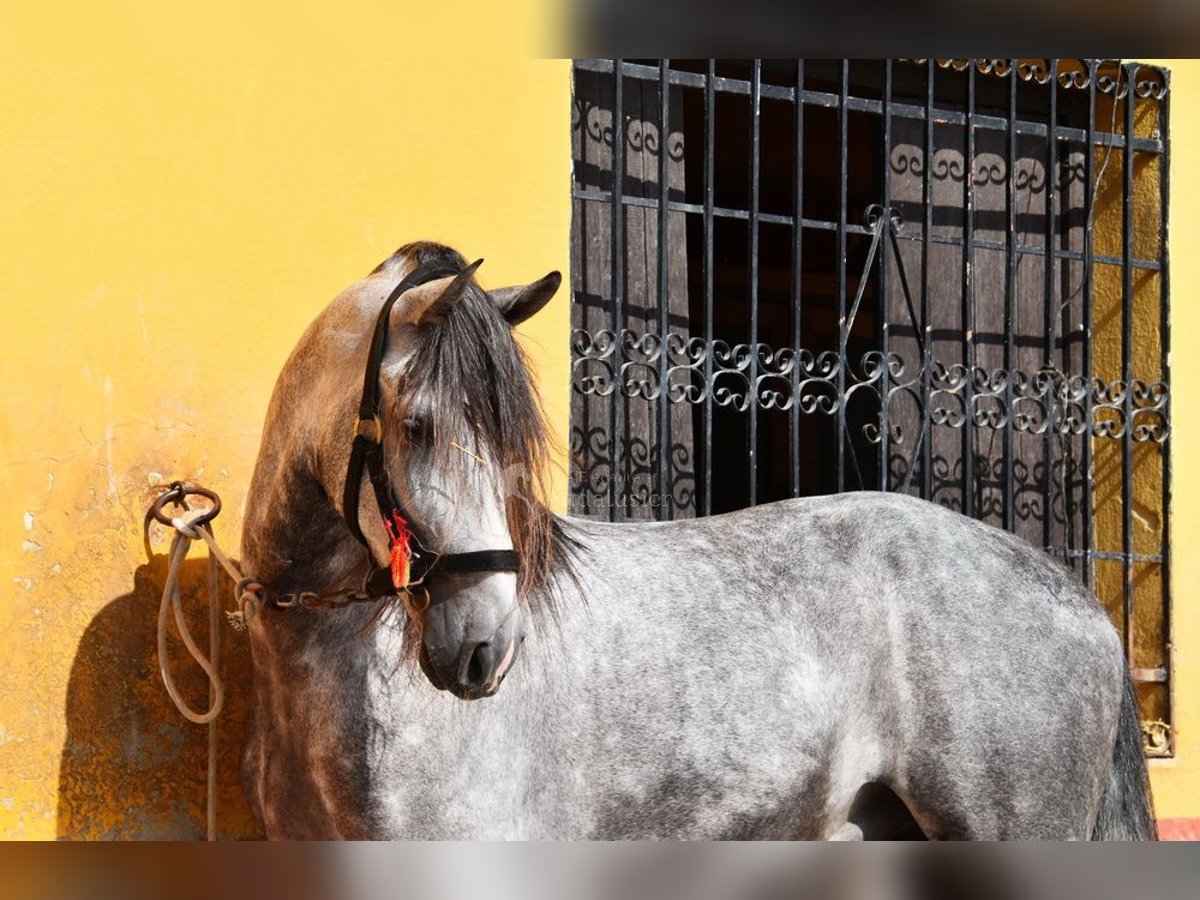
(477, 664)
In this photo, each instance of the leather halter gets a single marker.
(367, 452)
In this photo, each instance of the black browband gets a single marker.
(367, 452)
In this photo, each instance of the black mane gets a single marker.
(468, 376)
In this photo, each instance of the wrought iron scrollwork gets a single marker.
(1109, 76)
(1156, 738)
(1045, 400)
(1150, 82)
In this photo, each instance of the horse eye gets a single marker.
(415, 427)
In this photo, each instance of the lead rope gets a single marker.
(186, 531)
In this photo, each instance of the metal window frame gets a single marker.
(1142, 408)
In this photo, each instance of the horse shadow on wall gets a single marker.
(132, 767)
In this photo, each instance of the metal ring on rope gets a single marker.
(178, 493)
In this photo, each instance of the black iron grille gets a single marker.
(943, 277)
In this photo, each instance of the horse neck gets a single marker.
(295, 540)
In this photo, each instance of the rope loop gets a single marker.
(172, 603)
(184, 525)
(193, 524)
(251, 597)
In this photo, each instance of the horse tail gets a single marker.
(1126, 808)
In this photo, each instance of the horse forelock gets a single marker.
(468, 378)
(417, 253)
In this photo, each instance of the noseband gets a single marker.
(410, 562)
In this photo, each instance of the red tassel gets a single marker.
(401, 552)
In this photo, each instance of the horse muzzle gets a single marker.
(478, 672)
(469, 662)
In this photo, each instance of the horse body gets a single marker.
(825, 667)
(740, 676)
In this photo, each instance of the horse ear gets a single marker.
(519, 302)
(427, 304)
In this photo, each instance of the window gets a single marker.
(943, 277)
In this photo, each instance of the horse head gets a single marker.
(464, 447)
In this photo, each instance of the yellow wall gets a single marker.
(169, 225)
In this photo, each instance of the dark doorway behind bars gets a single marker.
(943, 277)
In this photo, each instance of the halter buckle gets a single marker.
(371, 429)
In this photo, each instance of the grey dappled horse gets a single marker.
(862, 665)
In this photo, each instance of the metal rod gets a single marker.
(1010, 288)
(1126, 373)
(1164, 295)
(885, 311)
(616, 476)
(852, 315)
(1086, 286)
(1049, 317)
(927, 235)
(722, 212)
(797, 310)
(755, 138)
(1110, 556)
(710, 118)
(665, 506)
(843, 143)
(968, 300)
(908, 301)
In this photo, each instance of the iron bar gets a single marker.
(843, 151)
(926, 437)
(876, 238)
(883, 336)
(797, 311)
(743, 215)
(665, 491)
(1164, 289)
(1010, 287)
(753, 225)
(908, 302)
(710, 140)
(1110, 556)
(616, 475)
(968, 298)
(1086, 287)
(1126, 371)
(1049, 317)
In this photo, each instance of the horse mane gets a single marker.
(467, 375)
